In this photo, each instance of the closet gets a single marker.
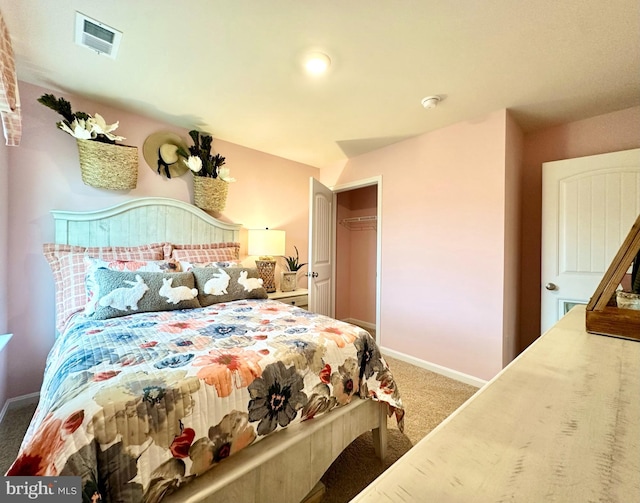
(356, 256)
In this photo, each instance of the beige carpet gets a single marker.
(12, 429)
(428, 399)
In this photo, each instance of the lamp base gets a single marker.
(266, 271)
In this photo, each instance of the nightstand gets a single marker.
(299, 297)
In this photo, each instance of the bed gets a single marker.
(175, 378)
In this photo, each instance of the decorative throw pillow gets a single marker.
(123, 293)
(225, 284)
(93, 264)
(212, 252)
(68, 267)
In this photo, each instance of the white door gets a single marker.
(588, 207)
(321, 237)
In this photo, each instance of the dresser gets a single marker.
(298, 297)
(560, 423)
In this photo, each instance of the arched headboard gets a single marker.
(142, 221)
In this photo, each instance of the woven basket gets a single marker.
(108, 166)
(210, 193)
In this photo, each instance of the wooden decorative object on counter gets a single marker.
(605, 319)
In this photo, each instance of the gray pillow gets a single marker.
(224, 284)
(121, 293)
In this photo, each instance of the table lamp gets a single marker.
(266, 243)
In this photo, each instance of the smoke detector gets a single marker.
(430, 102)
(97, 36)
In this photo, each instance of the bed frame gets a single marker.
(284, 466)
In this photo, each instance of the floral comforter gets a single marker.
(141, 404)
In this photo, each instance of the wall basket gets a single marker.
(107, 165)
(210, 193)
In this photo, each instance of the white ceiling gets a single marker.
(232, 67)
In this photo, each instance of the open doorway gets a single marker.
(357, 255)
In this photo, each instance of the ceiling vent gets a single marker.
(97, 36)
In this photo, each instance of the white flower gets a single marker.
(79, 129)
(223, 173)
(100, 126)
(194, 163)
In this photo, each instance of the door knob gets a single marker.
(551, 286)
(312, 274)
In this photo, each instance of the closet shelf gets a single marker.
(360, 223)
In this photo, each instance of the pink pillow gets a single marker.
(69, 269)
(213, 252)
(185, 266)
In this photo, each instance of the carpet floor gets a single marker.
(428, 399)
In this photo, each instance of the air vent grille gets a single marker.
(97, 36)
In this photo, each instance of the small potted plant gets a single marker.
(290, 277)
(630, 299)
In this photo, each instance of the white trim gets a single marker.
(434, 367)
(366, 182)
(19, 401)
(357, 184)
(360, 323)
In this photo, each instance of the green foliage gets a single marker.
(63, 107)
(202, 148)
(60, 105)
(293, 263)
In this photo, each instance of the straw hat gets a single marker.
(160, 149)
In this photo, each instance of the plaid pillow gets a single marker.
(212, 252)
(185, 266)
(69, 269)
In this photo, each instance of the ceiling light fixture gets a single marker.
(317, 63)
(430, 102)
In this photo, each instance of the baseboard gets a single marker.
(434, 367)
(360, 323)
(19, 401)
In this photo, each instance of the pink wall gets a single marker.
(343, 258)
(513, 202)
(598, 135)
(44, 174)
(356, 258)
(363, 258)
(443, 243)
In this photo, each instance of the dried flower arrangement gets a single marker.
(201, 161)
(81, 125)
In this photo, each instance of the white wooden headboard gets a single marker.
(142, 221)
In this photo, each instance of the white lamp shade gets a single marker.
(266, 242)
